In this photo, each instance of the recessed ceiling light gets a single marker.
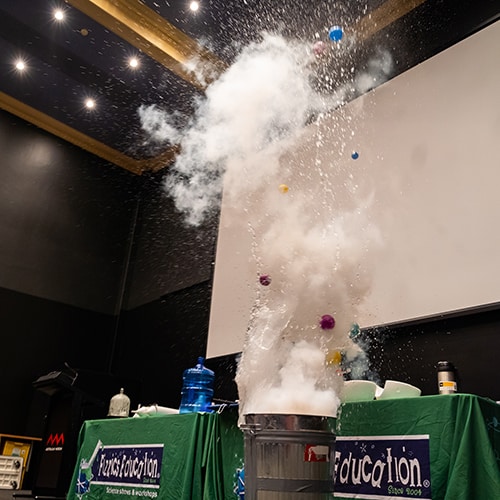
(194, 5)
(20, 65)
(59, 14)
(90, 103)
(133, 62)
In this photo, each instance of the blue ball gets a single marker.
(335, 33)
(355, 155)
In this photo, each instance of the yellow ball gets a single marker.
(283, 188)
(334, 357)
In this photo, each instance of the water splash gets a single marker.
(316, 241)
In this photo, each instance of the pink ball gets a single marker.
(319, 48)
(327, 322)
(265, 280)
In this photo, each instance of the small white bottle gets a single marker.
(119, 405)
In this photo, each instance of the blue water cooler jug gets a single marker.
(197, 388)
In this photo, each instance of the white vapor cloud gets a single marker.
(317, 250)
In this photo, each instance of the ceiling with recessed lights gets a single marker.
(81, 69)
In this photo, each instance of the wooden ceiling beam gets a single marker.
(152, 34)
(69, 134)
(378, 19)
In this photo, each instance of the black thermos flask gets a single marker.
(446, 378)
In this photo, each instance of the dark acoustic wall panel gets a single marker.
(410, 352)
(168, 254)
(39, 336)
(65, 219)
(159, 340)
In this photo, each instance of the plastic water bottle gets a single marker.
(197, 388)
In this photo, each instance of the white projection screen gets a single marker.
(429, 141)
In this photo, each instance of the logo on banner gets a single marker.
(316, 453)
(128, 470)
(383, 467)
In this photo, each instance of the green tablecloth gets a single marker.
(191, 456)
(463, 446)
(195, 456)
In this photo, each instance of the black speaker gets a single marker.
(63, 400)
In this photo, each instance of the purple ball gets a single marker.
(265, 280)
(327, 322)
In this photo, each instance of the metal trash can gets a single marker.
(289, 457)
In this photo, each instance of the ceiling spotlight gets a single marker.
(194, 5)
(133, 62)
(90, 104)
(59, 14)
(20, 65)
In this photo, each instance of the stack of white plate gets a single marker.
(366, 390)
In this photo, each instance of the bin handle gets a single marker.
(251, 427)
